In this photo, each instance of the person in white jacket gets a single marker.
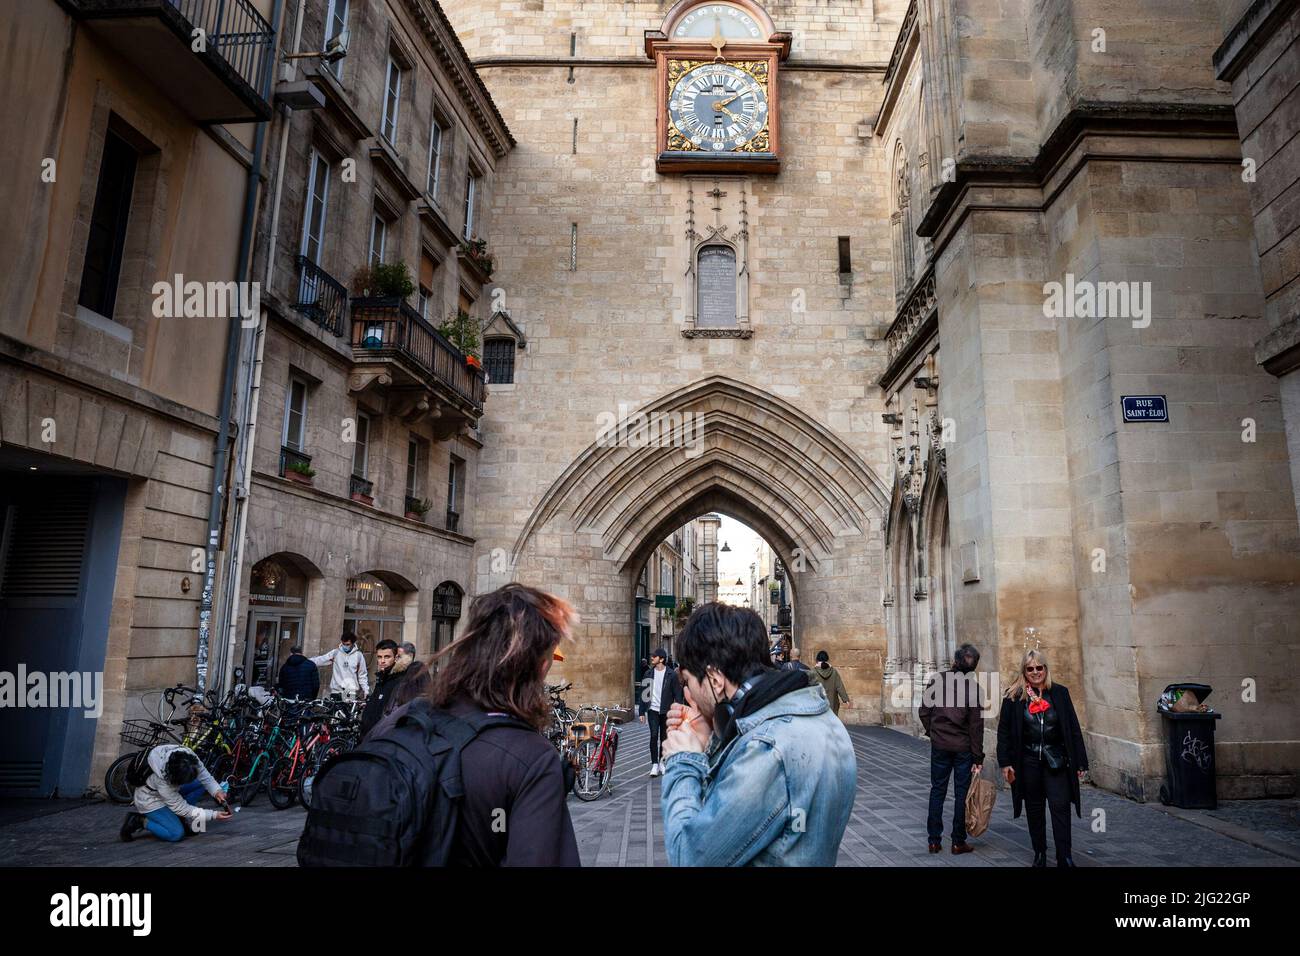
(164, 804)
(349, 679)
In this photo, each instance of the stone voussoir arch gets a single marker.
(721, 435)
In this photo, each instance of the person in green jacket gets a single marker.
(829, 680)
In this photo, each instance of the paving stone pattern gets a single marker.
(625, 828)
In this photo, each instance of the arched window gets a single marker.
(499, 360)
(447, 598)
(715, 287)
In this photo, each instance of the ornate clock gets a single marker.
(717, 93)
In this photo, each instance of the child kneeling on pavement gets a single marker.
(164, 803)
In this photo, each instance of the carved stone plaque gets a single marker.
(716, 282)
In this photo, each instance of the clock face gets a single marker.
(718, 107)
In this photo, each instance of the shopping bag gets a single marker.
(979, 805)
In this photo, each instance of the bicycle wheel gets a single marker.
(313, 767)
(588, 782)
(282, 787)
(115, 786)
(257, 778)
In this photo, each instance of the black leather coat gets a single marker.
(1014, 743)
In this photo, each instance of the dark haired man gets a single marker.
(661, 689)
(349, 679)
(392, 668)
(164, 804)
(951, 713)
(757, 770)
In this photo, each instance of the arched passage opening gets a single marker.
(380, 605)
(719, 446)
(280, 592)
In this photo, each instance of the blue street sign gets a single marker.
(1145, 408)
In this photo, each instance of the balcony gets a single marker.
(227, 82)
(321, 297)
(362, 490)
(396, 348)
(453, 520)
(295, 465)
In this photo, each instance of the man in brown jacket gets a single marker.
(951, 712)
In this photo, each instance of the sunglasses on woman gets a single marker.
(1034, 670)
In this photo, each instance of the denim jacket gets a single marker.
(778, 794)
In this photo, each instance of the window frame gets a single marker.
(378, 225)
(393, 100)
(295, 382)
(331, 14)
(471, 194)
(120, 218)
(316, 160)
(361, 446)
(433, 172)
(503, 342)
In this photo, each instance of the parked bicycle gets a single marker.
(595, 747)
(291, 776)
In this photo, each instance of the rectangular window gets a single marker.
(361, 450)
(846, 258)
(295, 414)
(378, 235)
(336, 21)
(392, 100)
(313, 226)
(455, 492)
(108, 218)
(417, 467)
(499, 360)
(423, 302)
(471, 188)
(436, 134)
(427, 283)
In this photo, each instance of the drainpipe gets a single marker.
(252, 393)
(220, 453)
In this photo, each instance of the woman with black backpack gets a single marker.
(388, 802)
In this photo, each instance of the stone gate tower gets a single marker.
(720, 268)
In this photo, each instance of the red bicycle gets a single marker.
(597, 745)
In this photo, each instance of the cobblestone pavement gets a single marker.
(625, 828)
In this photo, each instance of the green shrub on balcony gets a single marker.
(383, 280)
(461, 330)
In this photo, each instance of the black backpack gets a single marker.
(395, 799)
(138, 770)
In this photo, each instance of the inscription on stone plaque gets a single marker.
(716, 283)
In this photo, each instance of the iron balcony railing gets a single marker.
(321, 297)
(236, 31)
(360, 486)
(453, 520)
(291, 456)
(390, 326)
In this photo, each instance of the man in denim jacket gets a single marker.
(757, 769)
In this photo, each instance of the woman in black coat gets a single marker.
(1041, 753)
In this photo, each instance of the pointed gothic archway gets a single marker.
(718, 445)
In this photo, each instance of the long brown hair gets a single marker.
(497, 662)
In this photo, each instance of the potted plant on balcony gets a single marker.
(476, 251)
(299, 471)
(417, 508)
(461, 330)
(383, 284)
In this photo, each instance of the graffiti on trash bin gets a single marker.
(1196, 752)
